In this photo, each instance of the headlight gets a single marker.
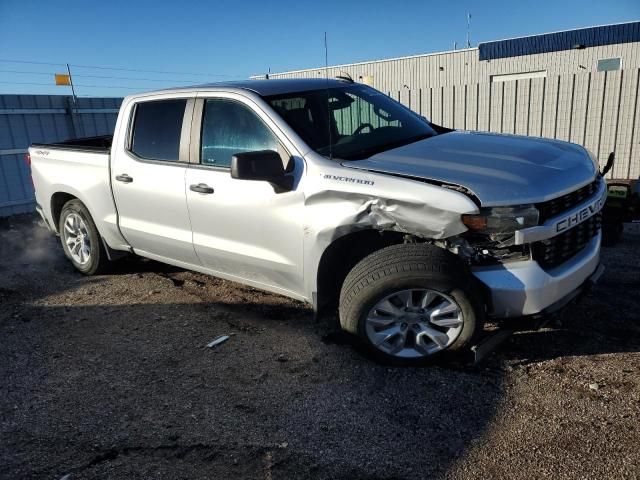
(502, 220)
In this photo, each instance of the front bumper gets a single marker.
(524, 288)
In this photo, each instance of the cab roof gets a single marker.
(270, 87)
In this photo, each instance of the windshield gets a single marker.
(350, 123)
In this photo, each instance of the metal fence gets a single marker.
(26, 119)
(599, 110)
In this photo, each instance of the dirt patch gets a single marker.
(110, 377)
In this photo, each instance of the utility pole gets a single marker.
(73, 90)
(468, 30)
(74, 110)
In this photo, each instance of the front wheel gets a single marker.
(410, 302)
(80, 239)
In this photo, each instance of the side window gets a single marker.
(156, 129)
(229, 127)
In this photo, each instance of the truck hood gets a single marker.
(498, 169)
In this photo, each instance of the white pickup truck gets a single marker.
(331, 192)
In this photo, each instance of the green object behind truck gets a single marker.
(623, 205)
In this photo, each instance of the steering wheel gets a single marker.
(358, 130)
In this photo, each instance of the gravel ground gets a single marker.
(110, 377)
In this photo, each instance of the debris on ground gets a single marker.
(218, 340)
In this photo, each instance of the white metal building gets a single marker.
(577, 85)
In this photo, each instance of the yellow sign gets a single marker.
(62, 79)
(367, 80)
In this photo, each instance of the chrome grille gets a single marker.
(558, 205)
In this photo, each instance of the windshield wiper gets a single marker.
(368, 152)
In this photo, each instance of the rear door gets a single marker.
(148, 178)
(243, 229)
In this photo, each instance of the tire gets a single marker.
(441, 291)
(80, 239)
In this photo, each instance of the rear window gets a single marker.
(156, 130)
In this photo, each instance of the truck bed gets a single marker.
(100, 144)
(79, 169)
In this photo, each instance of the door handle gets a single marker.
(124, 178)
(201, 188)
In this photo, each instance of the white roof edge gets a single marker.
(560, 31)
(420, 55)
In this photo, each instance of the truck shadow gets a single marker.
(121, 388)
(110, 375)
(601, 323)
(604, 321)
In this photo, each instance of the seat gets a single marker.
(302, 122)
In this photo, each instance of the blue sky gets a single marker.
(220, 40)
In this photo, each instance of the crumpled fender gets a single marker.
(340, 201)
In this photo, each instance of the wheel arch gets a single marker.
(58, 201)
(339, 257)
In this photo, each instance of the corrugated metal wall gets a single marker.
(599, 110)
(26, 119)
(574, 102)
(460, 67)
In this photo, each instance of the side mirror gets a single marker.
(263, 165)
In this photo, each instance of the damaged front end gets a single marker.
(490, 238)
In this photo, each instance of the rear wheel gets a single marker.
(80, 239)
(410, 302)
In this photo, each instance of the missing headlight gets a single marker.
(500, 222)
(479, 249)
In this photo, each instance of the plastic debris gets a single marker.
(218, 340)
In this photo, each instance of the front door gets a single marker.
(243, 229)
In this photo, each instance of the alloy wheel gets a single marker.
(414, 323)
(76, 237)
